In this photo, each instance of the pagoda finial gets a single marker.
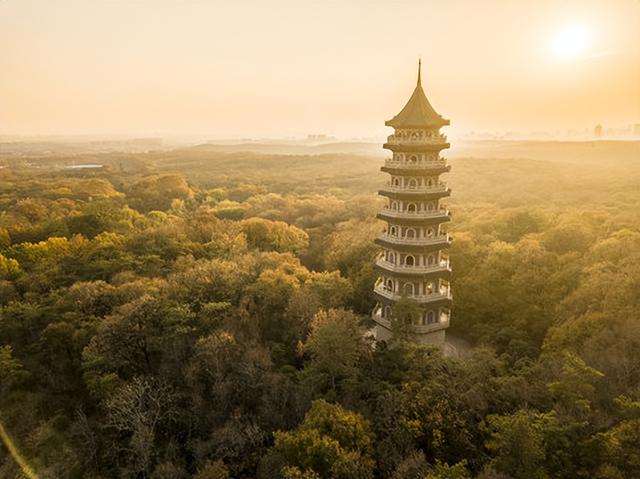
(419, 70)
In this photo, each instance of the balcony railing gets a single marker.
(442, 238)
(439, 188)
(409, 140)
(415, 214)
(418, 165)
(385, 292)
(418, 328)
(417, 269)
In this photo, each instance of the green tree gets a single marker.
(330, 442)
(517, 443)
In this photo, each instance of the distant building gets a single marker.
(414, 262)
(317, 137)
(597, 131)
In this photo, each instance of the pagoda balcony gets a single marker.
(439, 188)
(418, 165)
(420, 140)
(441, 267)
(424, 192)
(384, 292)
(417, 328)
(441, 213)
(433, 240)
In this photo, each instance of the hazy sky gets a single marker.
(292, 67)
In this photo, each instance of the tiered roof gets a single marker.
(418, 112)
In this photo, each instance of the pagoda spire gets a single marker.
(418, 112)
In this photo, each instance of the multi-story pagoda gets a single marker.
(414, 261)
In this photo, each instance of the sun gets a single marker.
(570, 43)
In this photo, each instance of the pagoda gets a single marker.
(414, 261)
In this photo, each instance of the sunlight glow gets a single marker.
(570, 43)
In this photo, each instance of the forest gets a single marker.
(201, 313)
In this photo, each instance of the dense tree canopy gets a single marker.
(212, 323)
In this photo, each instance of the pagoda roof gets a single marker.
(418, 112)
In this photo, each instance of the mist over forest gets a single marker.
(204, 312)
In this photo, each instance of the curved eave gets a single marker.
(436, 123)
(412, 248)
(436, 302)
(409, 220)
(438, 170)
(415, 147)
(444, 273)
(414, 195)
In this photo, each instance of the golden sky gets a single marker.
(292, 67)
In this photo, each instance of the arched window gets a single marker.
(430, 182)
(431, 206)
(432, 157)
(430, 287)
(431, 317)
(408, 288)
(391, 258)
(411, 233)
(429, 233)
(413, 183)
(411, 207)
(389, 285)
(431, 260)
(413, 159)
(393, 231)
(409, 260)
(414, 135)
(396, 182)
(387, 312)
(394, 205)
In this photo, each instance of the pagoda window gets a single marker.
(393, 231)
(430, 182)
(389, 285)
(391, 257)
(413, 159)
(430, 260)
(411, 233)
(396, 182)
(429, 233)
(431, 317)
(432, 157)
(413, 183)
(431, 206)
(387, 312)
(408, 288)
(394, 205)
(430, 287)
(409, 260)
(411, 208)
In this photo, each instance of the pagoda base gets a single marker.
(436, 338)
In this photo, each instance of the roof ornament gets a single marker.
(419, 71)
